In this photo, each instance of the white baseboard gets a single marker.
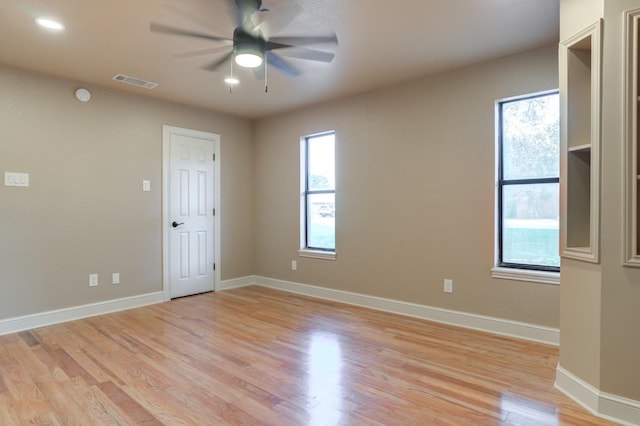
(27, 322)
(462, 319)
(621, 410)
(236, 283)
(608, 406)
(577, 389)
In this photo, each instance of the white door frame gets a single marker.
(167, 131)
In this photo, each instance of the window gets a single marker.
(528, 183)
(318, 203)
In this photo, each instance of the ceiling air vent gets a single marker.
(135, 81)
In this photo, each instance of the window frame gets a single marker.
(510, 270)
(305, 195)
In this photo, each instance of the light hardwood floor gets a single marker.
(258, 356)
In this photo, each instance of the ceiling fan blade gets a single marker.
(200, 52)
(166, 29)
(281, 15)
(188, 16)
(282, 65)
(258, 72)
(213, 66)
(310, 54)
(303, 40)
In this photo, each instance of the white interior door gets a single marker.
(190, 217)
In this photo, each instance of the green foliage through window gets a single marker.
(528, 182)
(320, 192)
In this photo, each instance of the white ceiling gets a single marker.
(381, 42)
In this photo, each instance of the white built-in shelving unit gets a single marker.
(580, 93)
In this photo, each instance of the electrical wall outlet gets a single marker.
(115, 278)
(294, 265)
(93, 280)
(448, 286)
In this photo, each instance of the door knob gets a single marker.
(176, 224)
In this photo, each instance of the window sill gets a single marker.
(317, 254)
(543, 277)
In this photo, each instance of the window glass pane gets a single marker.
(531, 138)
(530, 223)
(321, 167)
(321, 221)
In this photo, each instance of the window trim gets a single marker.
(510, 270)
(324, 254)
(305, 250)
(530, 275)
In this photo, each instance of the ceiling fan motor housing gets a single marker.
(249, 5)
(250, 47)
(243, 42)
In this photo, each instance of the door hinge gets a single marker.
(214, 266)
(214, 212)
(214, 157)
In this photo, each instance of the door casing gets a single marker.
(167, 131)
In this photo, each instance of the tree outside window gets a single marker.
(528, 182)
(319, 192)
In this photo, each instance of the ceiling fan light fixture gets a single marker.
(248, 59)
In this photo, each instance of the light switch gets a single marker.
(146, 185)
(16, 179)
(93, 280)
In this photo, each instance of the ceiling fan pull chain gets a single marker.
(248, 48)
(266, 76)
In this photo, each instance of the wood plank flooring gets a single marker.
(258, 356)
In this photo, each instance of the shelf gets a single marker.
(579, 180)
(580, 148)
(585, 249)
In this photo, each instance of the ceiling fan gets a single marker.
(249, 48)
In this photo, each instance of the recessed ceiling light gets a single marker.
(50, 24)
(231, 80)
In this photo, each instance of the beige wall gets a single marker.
(577, 15)
(580, 286)
(85, 211)
(600, 337)
(580, 319)
(620, 341)
(415, 191)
